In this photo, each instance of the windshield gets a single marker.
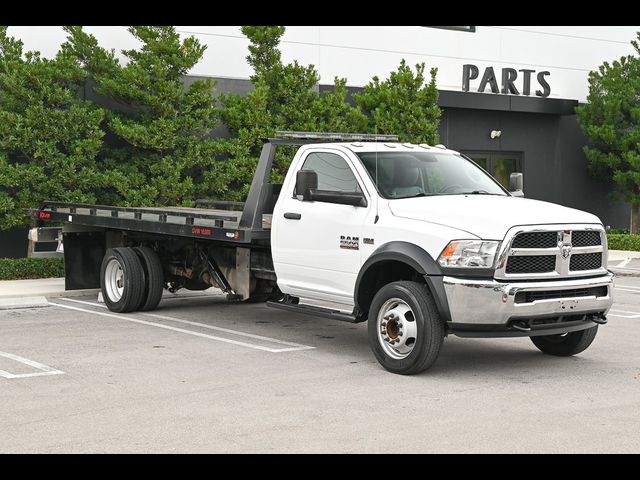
(417, 174)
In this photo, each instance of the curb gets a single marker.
(23, 302)
(56, 293)
(625, 272)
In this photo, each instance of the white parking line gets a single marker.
(633, 314)
(293, 346)
(628, 286)
(197, 324)
(44, 369)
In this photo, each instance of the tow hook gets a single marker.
(521, 326)
(599, 318)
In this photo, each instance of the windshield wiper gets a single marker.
(478, 192)
(419, 195)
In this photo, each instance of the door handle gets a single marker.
(292, 216)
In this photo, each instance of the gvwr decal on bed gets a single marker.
(349, 243)
(201, 231)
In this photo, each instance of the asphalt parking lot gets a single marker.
(203, 375)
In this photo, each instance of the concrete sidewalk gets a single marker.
(34, 293)
(624, 263)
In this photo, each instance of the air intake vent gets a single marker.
(536, 240)
(585, 261)
(531, 264)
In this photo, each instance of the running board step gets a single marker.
(315, 311)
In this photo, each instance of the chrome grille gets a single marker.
(536, 240)
(585, 238)
(585, 261)
(532, 264)
(556, 251)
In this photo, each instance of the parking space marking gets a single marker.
(293, 346)
(44, 369)
(633, 314)
(198, 324)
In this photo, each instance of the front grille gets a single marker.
(585, 238)
(585, 261)
(528, 297)
(531, 264)
(535, 240)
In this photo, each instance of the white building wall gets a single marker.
(358, 53)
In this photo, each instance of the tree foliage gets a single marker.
(403, 104)
(49, 137)
(611, 120)
(145, 138)
(285, 97)
(160, 125)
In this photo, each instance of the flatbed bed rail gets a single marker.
(199, 223)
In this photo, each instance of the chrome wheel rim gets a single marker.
(114, 280)
(397, 328)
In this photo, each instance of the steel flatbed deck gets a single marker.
(201, 223)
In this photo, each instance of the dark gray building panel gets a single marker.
(554, 165)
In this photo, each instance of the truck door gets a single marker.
(316, 245)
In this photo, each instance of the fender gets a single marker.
(418, 259)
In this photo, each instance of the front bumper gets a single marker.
(489, 307)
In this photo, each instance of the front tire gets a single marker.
(405, 328)
(122, 280)
(566, 345)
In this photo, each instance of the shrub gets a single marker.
(24, 268)
(621, 241)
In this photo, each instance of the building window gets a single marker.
(459, 29)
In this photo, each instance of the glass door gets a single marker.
(500, 165)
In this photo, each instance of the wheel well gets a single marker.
(380, 274)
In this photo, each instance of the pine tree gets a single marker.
(611, 120)
(49, 137)
(403, 104)
(161, 126)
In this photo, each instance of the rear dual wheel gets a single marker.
(131, 279)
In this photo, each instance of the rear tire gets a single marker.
(122, 280)
(566, 345)
(154, 275)
(404, 312)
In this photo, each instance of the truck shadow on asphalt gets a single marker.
(458, 357)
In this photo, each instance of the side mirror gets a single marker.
(306, 180)
(516, 184)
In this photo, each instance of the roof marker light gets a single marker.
(347, 137)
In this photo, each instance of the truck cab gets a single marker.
(421, 242)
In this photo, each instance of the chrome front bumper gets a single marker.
(492, 303)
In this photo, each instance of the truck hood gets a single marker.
(487, 216)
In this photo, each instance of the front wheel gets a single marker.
(405, 328)
(567, 344)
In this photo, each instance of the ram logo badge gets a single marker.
(349, 243)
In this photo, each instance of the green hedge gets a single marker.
(21, 268)
(623, 241)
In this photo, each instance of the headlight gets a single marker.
(469, 254)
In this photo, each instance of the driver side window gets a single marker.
(334, 173)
